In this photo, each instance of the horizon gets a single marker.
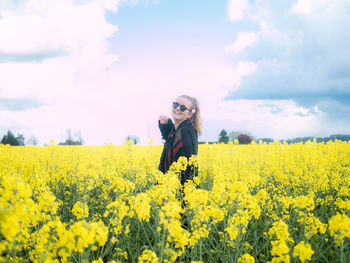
(152, 140)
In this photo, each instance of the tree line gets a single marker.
(247, 138)
(11, 139)
(75, 139)
(224, 137)
(340, 137)
(19, 140)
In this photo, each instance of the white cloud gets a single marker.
(236, 8)
(301, 51)
(110, 4)
(246, 67)
(55, 25)
(78, 87)
(264, 119)
(292, 47)
(244, 39)
(308, 6)
(69, 81)
(302, 6)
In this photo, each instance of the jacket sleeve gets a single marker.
(165, 129)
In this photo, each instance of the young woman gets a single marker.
(181, 136)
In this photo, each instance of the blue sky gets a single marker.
(109, 68)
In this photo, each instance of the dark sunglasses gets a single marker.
(182, 107)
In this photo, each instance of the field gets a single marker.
(250, 203)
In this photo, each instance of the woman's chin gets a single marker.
(177, 117)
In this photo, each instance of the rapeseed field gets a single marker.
(261, 202)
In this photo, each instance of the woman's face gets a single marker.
(179, 115)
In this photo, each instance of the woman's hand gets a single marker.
(163, 119)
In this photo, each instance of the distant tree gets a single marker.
(244, 139)
(134, 139)
(70, 140)
(267, 140)
(223, 136)
(341, 137)
(10, 139)
(300, 139)
(32, 140)
(20, 139)
(232, 135)
(204, 142)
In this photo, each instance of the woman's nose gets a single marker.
(177, 108)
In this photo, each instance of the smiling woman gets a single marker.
(181, 136)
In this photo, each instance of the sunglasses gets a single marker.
(182, 107)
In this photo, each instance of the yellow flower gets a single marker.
(279, 231)
(279, 247)
(148, 256)
(9, 224)
(246, 258)
(281, 259)
(142, 206)
(314, 226)
(303, 251)
(241, 186)
(343, 205)
(339, 227)
(232, 231)
(80, 210)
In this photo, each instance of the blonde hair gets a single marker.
(196, 118)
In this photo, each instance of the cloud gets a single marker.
(20, 104)
(309, 6)
(236, 9)
(268, 118)
(44, 26)
(27, 57)
(54, 58)
(244, 39)
(302, 53)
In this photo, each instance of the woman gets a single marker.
(181, 137)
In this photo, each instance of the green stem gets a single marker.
(200, 248)
(162, 246)
(342, 260)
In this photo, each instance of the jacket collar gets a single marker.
(185, 123)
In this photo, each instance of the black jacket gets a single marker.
(180, 142)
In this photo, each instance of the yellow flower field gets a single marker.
(250, 203)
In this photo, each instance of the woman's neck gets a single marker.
(177, 123)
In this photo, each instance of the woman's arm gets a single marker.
(165, 126)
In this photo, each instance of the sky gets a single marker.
(108, 68)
